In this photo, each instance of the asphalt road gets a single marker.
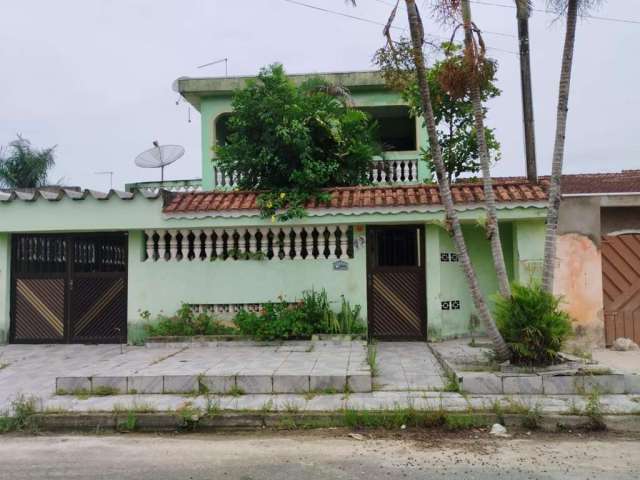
(318, 455)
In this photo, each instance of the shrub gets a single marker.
(313, 314)
(186, 323)
(532, 324)
(276, 321)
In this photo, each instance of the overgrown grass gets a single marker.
(453, 384)
(186, 323)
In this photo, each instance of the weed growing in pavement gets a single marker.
(235, 391)
(212, 406)
(105, 390)
(290, 407)
(453, 384)
(593, 410)
(18, 417)
(129, 424)
(372, 356)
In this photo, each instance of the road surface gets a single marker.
(319, 455)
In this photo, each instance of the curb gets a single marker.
(225, 421)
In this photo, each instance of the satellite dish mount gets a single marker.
(159, 157)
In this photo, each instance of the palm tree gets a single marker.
(523, 11)
(417, 38)
(474, 53)
(25, 166)
(571, 9)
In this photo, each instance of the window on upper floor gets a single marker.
(221, 128)
(396, 127)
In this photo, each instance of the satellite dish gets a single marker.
(159, 157)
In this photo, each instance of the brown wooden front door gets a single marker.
(621, 285)
(69, 288)
(396, 282)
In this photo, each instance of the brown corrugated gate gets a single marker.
(69, 288)
(621, 285)
(396, 282)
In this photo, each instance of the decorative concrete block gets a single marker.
(562, 384)
(359, 383)
(115, 385)
(219, 383)
(632, 383)
(522, 385)
(255, 383)
(481, 383)
(319, 383)
(180, 384)
(290, 383)
(605, 384)
(73, 384)
(145, 385)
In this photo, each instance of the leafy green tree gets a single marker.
(453, 111)
(290, 141)
(25, 166)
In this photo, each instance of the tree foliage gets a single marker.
(451, 100)
(292, 140)
(25, 166)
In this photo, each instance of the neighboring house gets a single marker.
(598, 254)
(85, 267)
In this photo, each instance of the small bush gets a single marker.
(276, 321)
(312, 314)
(186, 323)
(532, 324)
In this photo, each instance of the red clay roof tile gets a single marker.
(362, 197)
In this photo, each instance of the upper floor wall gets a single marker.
(401, 135)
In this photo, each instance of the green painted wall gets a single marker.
(522, 247)
(162, 286)
(5, 275)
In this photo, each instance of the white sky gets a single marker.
(94, 76)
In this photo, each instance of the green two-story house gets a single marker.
(83, 266)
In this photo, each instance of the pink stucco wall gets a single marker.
(578, 279)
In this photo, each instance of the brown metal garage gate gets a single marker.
(69, 288)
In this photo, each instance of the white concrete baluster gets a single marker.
(219, 243)
(173, 245)
(252, 239)
(149, 244)
(297, 243)
(197, 244)
(343, 241)
(332, 242)
(264, 241)
(208, 243)
(286, 246)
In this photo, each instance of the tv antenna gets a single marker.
(215, 62)
(110, 173)
(159, 157)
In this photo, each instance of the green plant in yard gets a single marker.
(593, 409)
(276, 321)
(532, 324)
(289, 141)
(187, 323)
(130, 423)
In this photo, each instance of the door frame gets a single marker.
(68, 276)
(422, 267)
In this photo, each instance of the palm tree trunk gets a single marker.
(493, 230)
(417, 38)
(522, 9)
(558, 149)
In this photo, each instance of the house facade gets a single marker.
(83, 266)
(598, 269)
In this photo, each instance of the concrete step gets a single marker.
(358, 382)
